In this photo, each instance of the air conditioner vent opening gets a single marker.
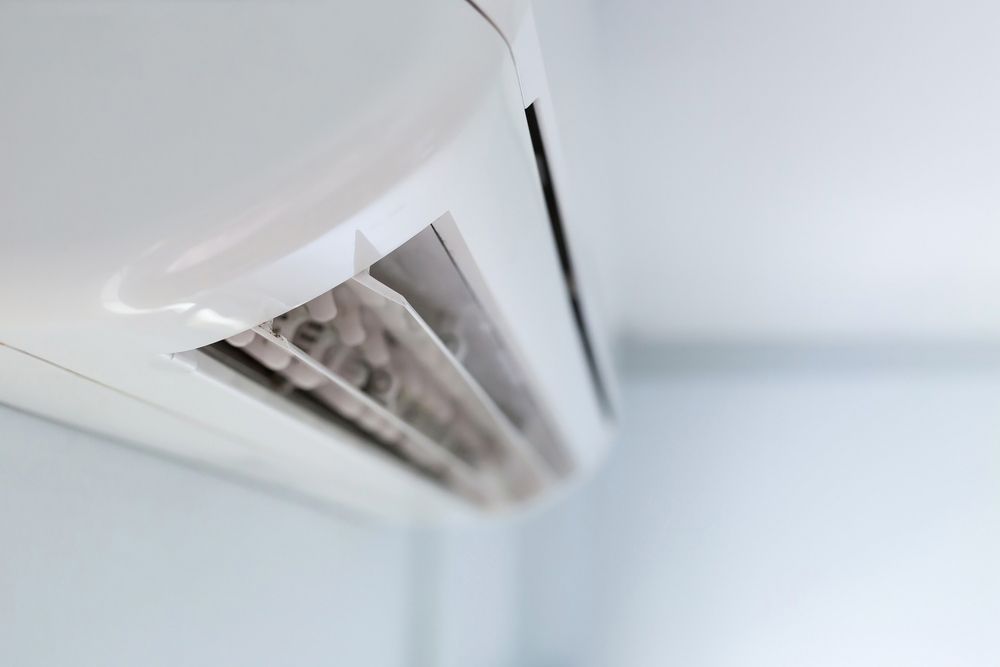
(423, 376)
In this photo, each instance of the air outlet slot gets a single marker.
(404, 356)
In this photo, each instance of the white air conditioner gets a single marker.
(314, 245)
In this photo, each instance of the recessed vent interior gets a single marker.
(405, 356)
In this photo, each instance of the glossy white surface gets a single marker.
(215, 172)
(166, 165)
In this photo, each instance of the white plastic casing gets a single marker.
(175, 173)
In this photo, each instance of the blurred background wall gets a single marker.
(111, 556)
(827, 510)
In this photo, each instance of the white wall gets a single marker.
(793, 169)
(816, 514)
(113, 557)
(472, 595)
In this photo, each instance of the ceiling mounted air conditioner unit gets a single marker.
(322, 249)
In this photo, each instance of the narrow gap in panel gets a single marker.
(565, 259)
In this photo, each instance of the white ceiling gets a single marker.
(788, 170)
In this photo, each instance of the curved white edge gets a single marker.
(206, 189)
(165, 163)
(336, 477)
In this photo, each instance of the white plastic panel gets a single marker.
(173, 177)
(424, 273)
